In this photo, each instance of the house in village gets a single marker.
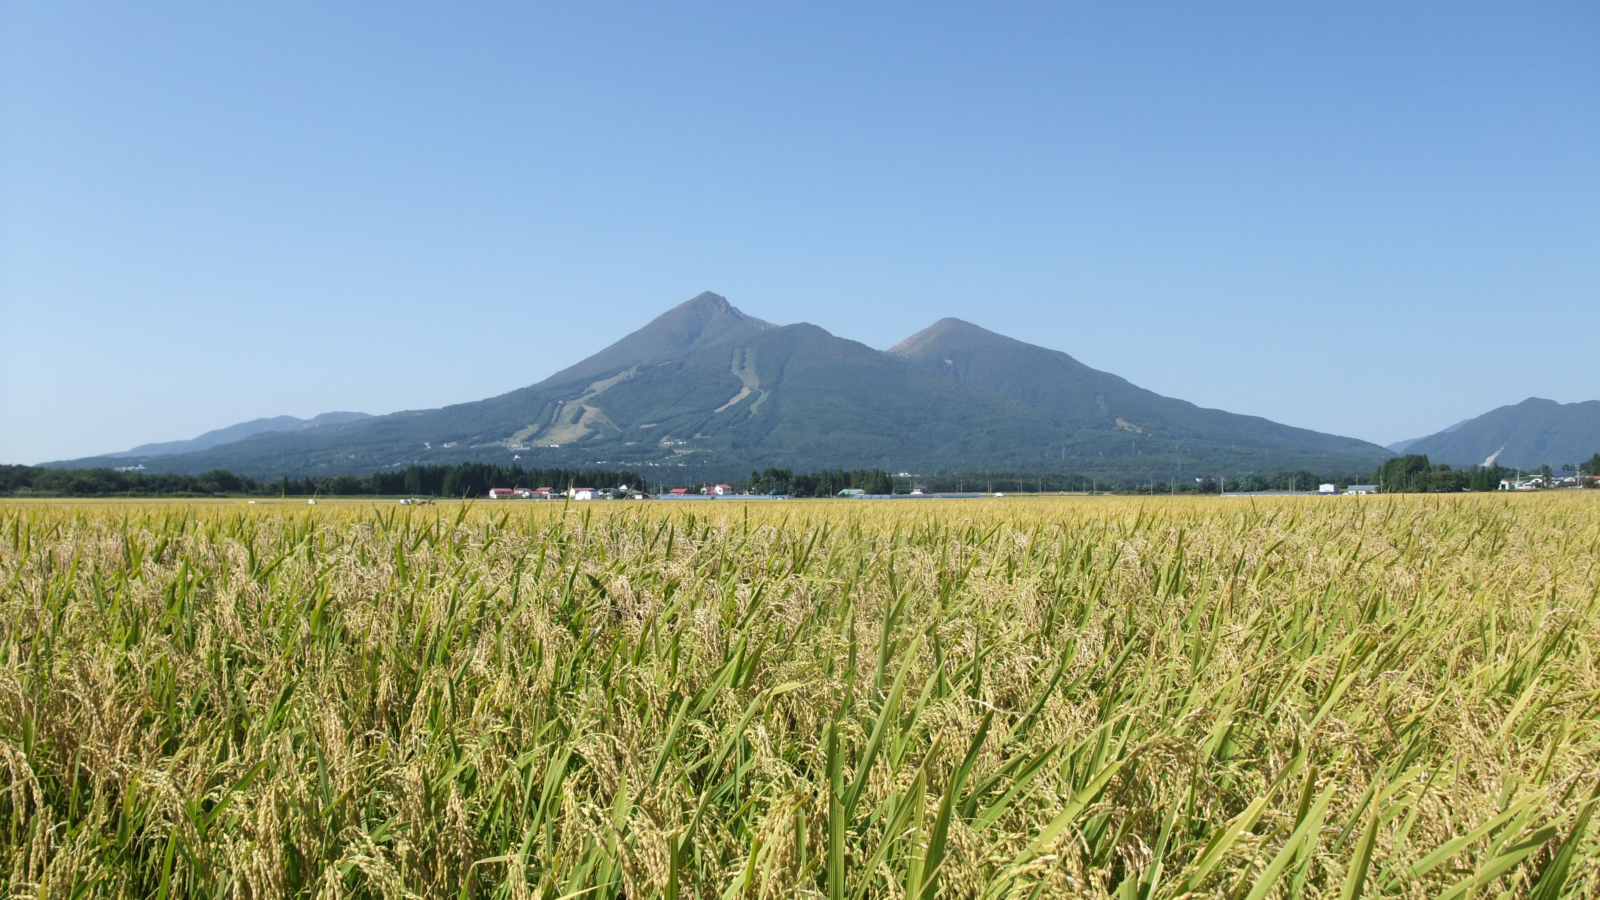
(520, 493)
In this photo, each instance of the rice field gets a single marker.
(1156, 698)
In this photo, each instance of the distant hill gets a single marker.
(218, 437)
(1525, 435)
(705, 389)
(241, 431)
(1400, 446)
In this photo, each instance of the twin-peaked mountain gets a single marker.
(707, 388)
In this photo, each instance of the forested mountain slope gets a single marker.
(708, 389)
(1083, 399)
(1527, 434)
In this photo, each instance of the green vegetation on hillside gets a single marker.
(1088, 400)
(1529, 434)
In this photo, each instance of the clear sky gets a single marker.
(1373, 219)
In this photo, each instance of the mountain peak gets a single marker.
(1523, 435)
(708, 306)
(708, 300)
(944, 330)
(696, 322)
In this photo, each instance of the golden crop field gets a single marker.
(1045, 697)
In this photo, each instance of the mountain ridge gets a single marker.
(238, 432)
(1400, 446)
(708, 388)
(1072, 391)
(1524, 435)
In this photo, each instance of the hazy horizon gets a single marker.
(1368, 221)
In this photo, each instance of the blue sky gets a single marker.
(1370, 219)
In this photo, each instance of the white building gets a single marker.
(1361, 489)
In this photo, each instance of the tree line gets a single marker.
(1415, 474)
(464, 480)
(816, 484)
(878, 481)
(25, 481)
(1402, 474)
